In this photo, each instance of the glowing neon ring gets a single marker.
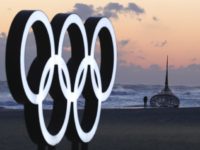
(49, 40)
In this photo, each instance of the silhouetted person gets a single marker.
(145, 99)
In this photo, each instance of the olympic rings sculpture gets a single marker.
(79, 75)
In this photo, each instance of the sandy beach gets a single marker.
(141, 129)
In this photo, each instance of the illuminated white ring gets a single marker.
(97, 87)
(101, 96)
(52, 139)
(35, 98)
(78, 88)
(86, 136)
(43, 90)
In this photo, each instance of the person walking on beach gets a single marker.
(145, 99)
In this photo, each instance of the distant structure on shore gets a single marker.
(165, 98)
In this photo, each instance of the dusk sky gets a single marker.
(146, 30)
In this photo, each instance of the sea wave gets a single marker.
(122, 96)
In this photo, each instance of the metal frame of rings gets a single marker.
(49, 41)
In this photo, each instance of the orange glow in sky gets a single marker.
(168, 27)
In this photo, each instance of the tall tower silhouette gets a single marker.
(166, 79)
(166, 97)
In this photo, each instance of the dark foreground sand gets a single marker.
(143, 129)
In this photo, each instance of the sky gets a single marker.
(146, 31)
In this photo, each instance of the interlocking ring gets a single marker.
(80, 74)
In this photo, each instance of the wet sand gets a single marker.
(141, 129)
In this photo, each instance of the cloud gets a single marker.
(134, 8)
(84, 10)
(160, 44)
(113, 7)
(154, 67)
(123, 42)
(154, 74)
(193, 67)
(135, 74)
(110, 10)
(141, 57)
(9, 9)
(155, 18)
(2, 35)
(193, 60)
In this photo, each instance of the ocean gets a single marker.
(122, 97)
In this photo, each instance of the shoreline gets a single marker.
(138, 107)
